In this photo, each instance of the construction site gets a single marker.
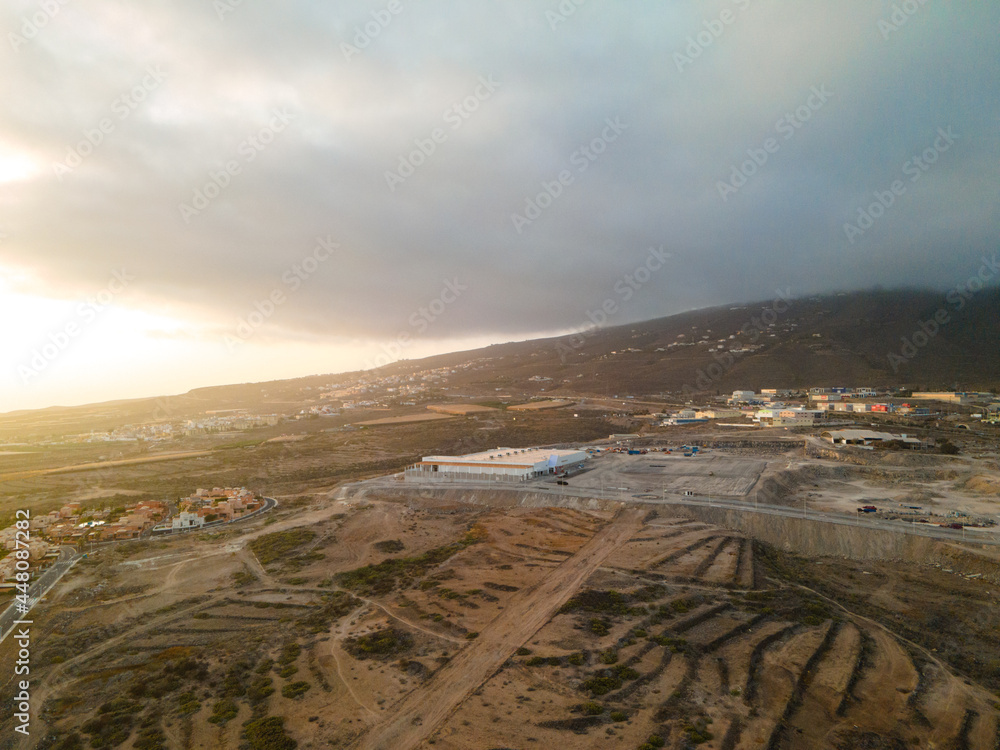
(599, 606)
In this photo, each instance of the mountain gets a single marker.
(914, 338)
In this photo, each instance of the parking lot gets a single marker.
(703, 473)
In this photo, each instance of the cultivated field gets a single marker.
(460, 409)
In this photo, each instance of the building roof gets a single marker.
(525, 457)
(866, 435)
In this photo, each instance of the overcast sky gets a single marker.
(249, 190)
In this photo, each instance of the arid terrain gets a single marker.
(598, 611)
(387, 623)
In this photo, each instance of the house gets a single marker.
(187, 520)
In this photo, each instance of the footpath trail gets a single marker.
(418, 714)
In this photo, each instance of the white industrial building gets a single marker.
(500, 464)
(186, 520)
(868, 438)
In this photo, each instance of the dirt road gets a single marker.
(423, 710)
(104, 464)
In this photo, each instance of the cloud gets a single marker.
(353, 119)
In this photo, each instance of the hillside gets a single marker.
(818, 341)
(844, 339)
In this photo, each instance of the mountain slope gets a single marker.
(873, 338)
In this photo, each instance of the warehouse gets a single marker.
(868, 438)
(501, 464)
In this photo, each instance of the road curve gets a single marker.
(969, 535)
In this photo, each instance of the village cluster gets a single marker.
(775, 407)
(76, 525)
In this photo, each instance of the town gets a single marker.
(81, 527)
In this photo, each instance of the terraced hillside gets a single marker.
(434, 624)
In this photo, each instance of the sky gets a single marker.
(206, 192)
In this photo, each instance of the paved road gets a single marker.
(972, 535)
(161, 531)
(68, 557)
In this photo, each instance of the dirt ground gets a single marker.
(711, 472)
(406, 419)
(417, 624)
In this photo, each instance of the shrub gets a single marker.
(113, 723)
(397, 571)
(243, 578)
(335, 605)
(71, 742)
(471, 636)
(606, 680)
(576, 659)
(384, 642)
(681, 606)
(295, 689)
(948, 448)
(290, 653)
(268, 734)
(618, 716)
(151, 738)
(272, 547)
(188, 703)
(598, 627)
(609, 656)
(589, 600)
(223, 711)
(592, 709)
(265, 665)
(697, 733)
(259, 689)
(522, 651)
